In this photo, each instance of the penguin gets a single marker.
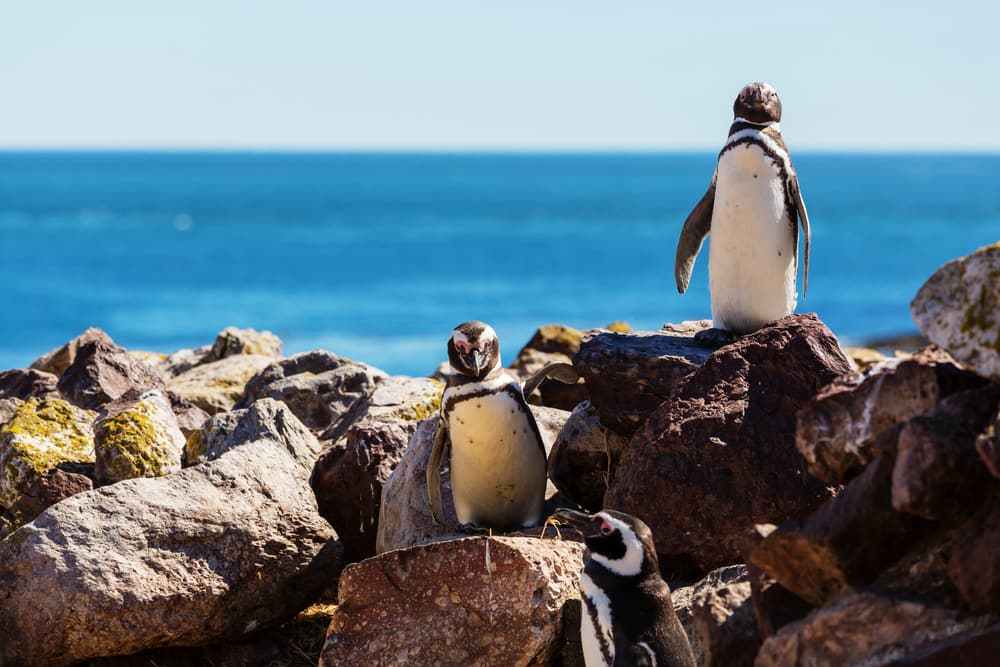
(752, 208)
(498, 460)
(628, 617)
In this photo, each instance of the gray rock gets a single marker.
(319, 387)
(211, 553)
(628, 375)
(474, 601)
(25, 383)
(217, 386)
(959, 309)
(8, 406)
(182, 361)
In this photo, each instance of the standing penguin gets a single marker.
(628, 617)
(498, 459)
(752, 209)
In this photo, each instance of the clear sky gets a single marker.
(462, 74)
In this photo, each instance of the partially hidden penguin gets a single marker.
(628, 616)
(497, 457)
(752, 210)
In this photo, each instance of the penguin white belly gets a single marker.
(593, 636)
(751, 261)
(497, 464)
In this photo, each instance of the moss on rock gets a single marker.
(143, 440)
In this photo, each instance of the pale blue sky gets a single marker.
(541, 74)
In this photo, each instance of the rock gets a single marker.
(862, 358)
(973, 565)
(717, 616)
(979, 648)
(628, 375)
(405, 519)
(52, 486)
(836, 432)
(319, 387)
(40, 436)
(847, 542)
(190, 418)
(959, 309)
(868, 629)
(8, 407)
(475, 601)
(58, 360)
(348, 476)
(102, 372)
(25, 383)
(218, 385)
(182, 361)
(211, 553)
(774, 606)
(938, 474)
(551, 343)
(137, 436)
(232, 341)
(720, 456)
(583, 459)
(987, 445)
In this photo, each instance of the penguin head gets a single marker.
(620, 542)
(757, 103)
(473, 349)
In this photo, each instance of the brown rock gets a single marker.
(51, 487)
(58, 360)
(717, 615)
(25, 383)
(190, 417)
(102, 371)
(319, 387)
(836, 432)
(217, 386)
(973, 566)
(8, 408)
(979, 648)
(232, 341)
(870, 629)
(137, 435)
(938, 474)
(721, 455)
(988, 446)
(583, 459)
(847, 542)
(551, 343)
(475, 601)
(774, 606)
(628, 375)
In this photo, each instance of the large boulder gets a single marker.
(474, 601)
(348, 476)
(25, 383)
(959, 309)
(58, 360)
(973, 564)
(137, 436)
(583, 459)
(102, 371)
(211, 553)
(720, 456)
(319, 387)
(228, 343)
(836, 432)
(628, 375)
(405, 519)
(41, 436)
(217, 386)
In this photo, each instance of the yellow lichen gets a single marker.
(132, 444)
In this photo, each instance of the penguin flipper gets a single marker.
(800, 206)
(434, 472)
(557, 370)
(696, 228)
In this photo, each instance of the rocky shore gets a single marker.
(229, 505)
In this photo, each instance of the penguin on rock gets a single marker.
(628, 617)
(752, 209)
(498, 459)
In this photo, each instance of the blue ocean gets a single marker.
(376, 256)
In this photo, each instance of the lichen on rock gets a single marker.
(40, 436)
(137, 436)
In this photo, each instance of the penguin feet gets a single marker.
(714, 337)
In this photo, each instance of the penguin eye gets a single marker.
(606, 528)
(487, 344)
(462, 345)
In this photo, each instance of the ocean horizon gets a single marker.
(376, 255)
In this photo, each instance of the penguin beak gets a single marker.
(475, 360)
(579, 520)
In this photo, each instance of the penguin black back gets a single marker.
(628, 617)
